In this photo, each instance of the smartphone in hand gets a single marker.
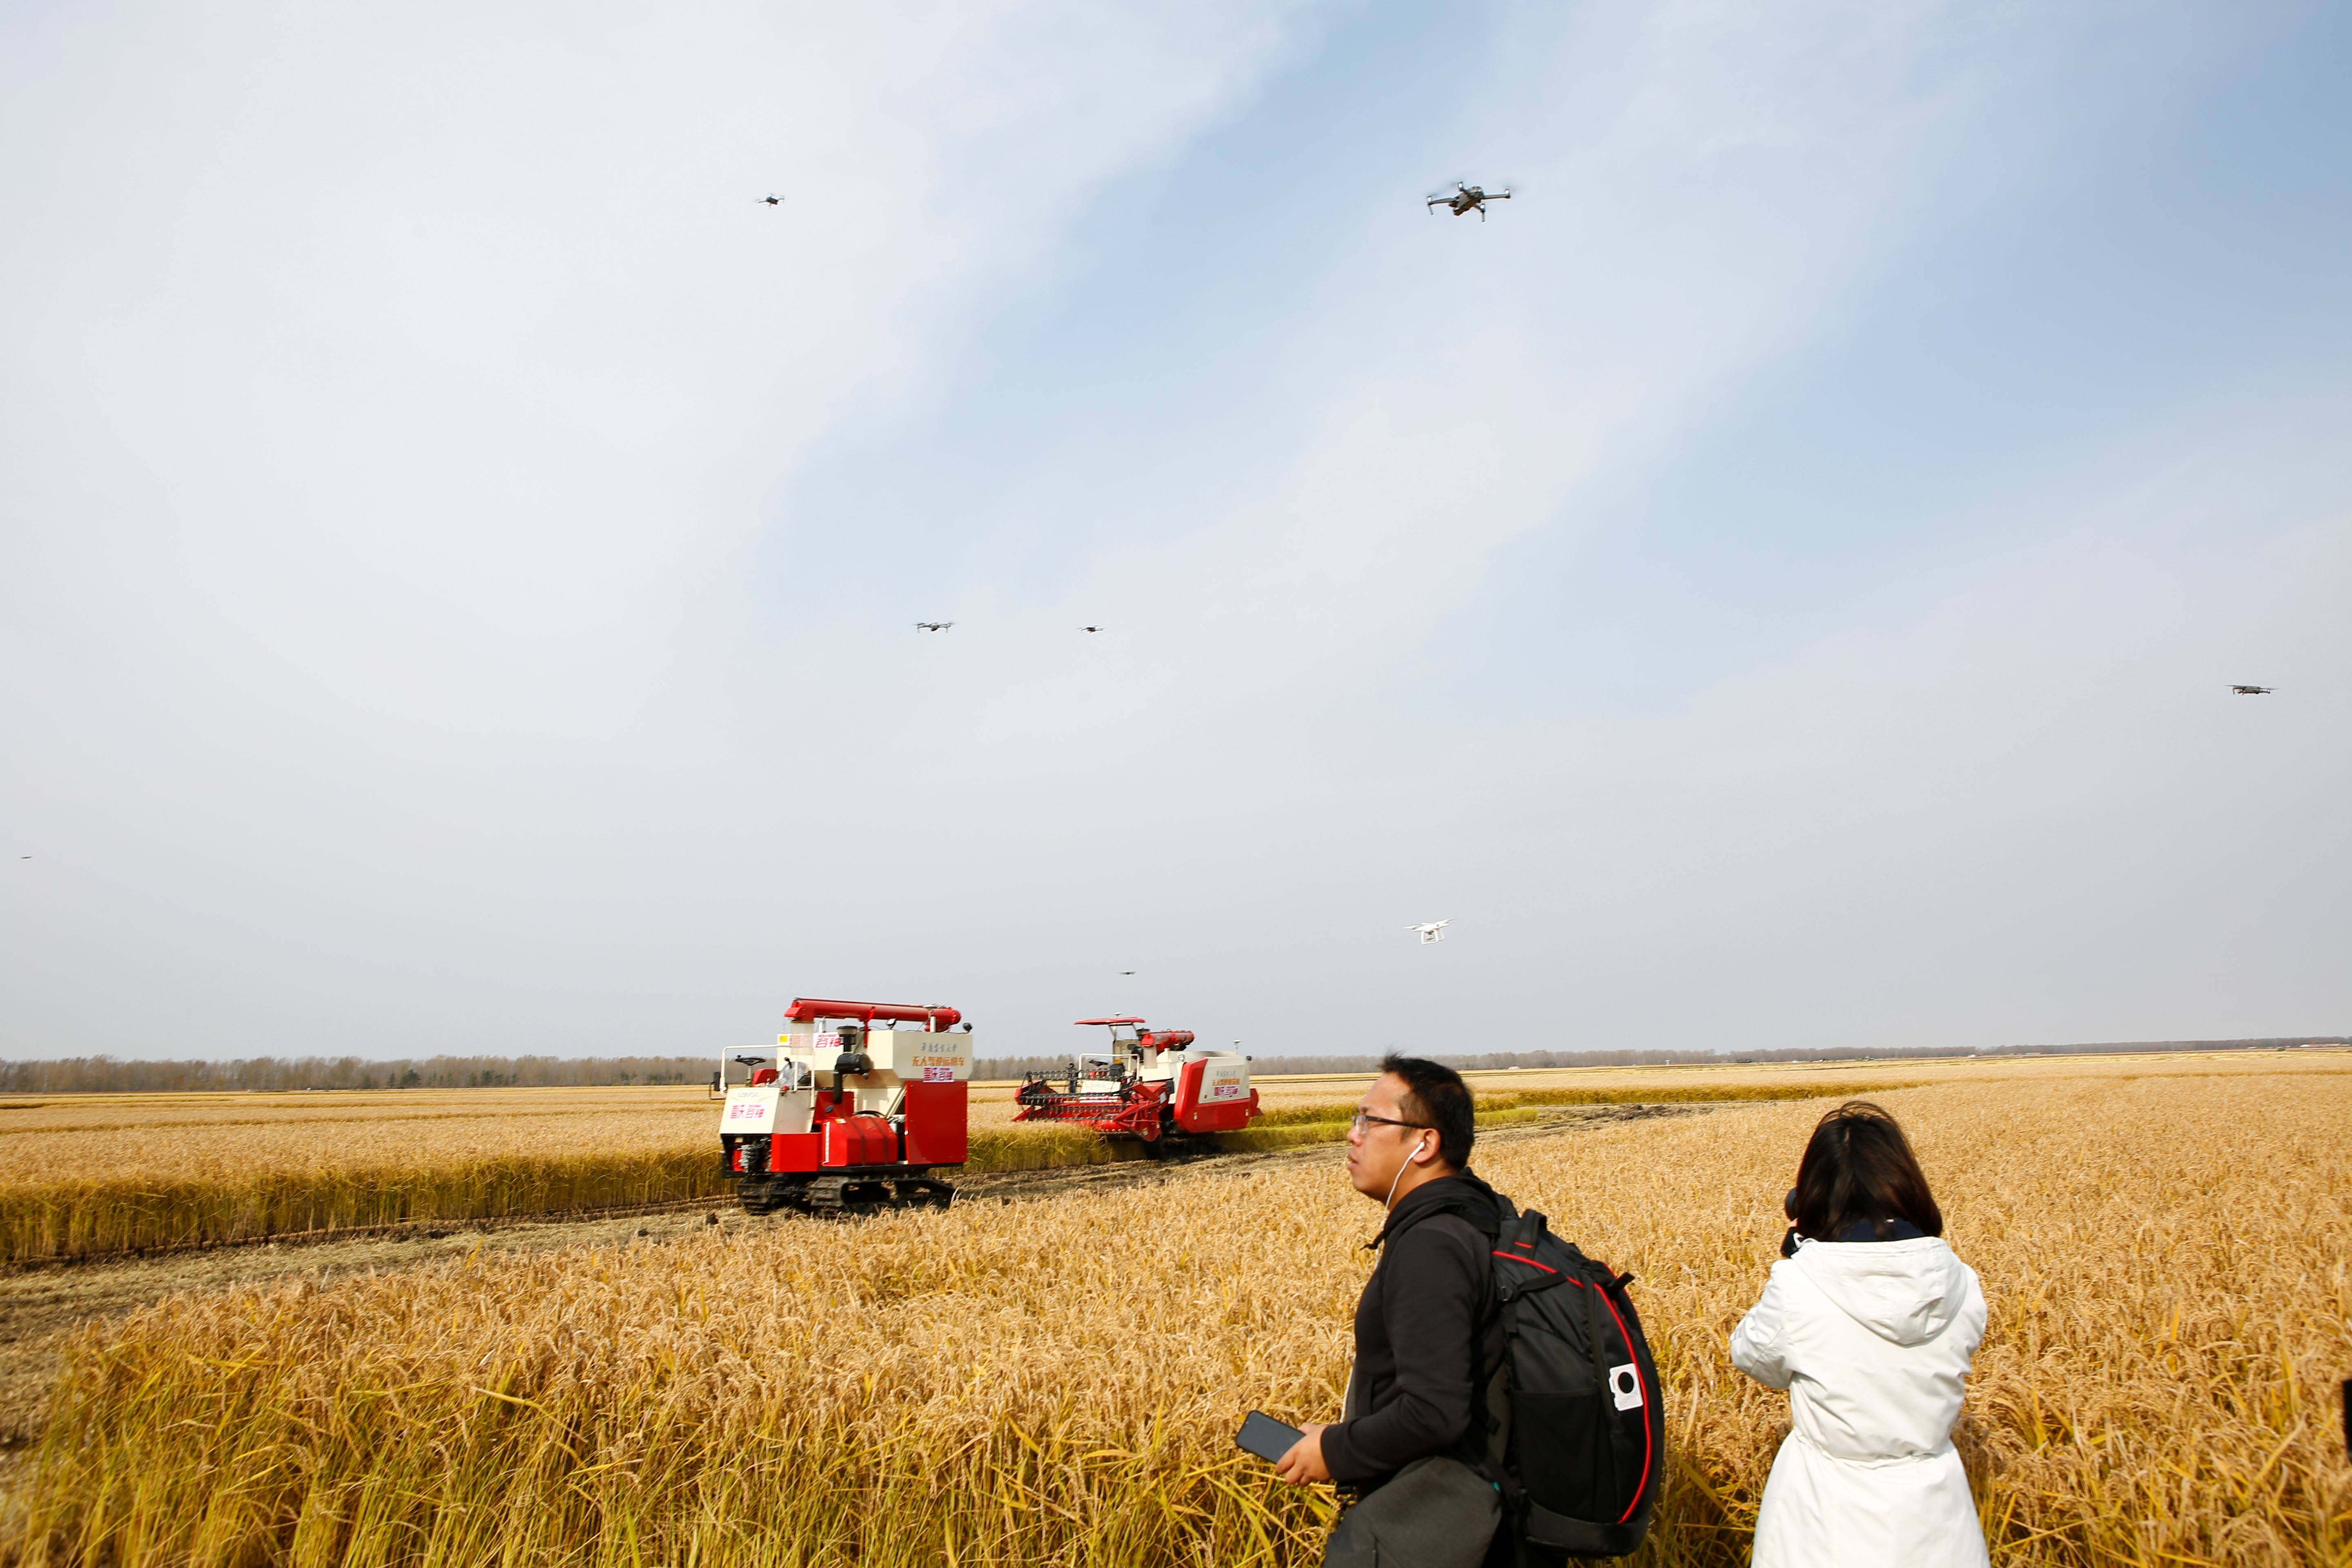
(1267, 1438)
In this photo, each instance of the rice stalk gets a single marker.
(1058, 1382)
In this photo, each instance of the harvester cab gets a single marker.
(740, 1065)
(1156, 1085)
(844, 1116)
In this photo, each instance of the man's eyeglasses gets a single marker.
(1365, 1119)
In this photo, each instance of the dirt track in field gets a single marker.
(41, 1305)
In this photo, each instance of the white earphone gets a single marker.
(1418, 1145)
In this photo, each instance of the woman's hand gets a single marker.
(1304, 1463)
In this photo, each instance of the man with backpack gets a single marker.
(1503, 1408)
(1424, 1332)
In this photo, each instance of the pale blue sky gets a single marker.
(1775, 583)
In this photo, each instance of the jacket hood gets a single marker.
(1905, 1292)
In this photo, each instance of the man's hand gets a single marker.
(1304, 1463)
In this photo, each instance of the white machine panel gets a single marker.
(749, 1110)
(767, 1109)
(1225, 1077)
(919, 1055)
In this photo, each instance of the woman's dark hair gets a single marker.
(1860, 1167)
(1436, 1096)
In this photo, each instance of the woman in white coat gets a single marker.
(1869, 1323)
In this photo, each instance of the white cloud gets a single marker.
(380, 387)
(394, 397)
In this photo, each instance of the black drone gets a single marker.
(1467, 199)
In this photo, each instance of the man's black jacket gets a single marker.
(1424, 1337)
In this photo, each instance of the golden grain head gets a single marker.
(1056, 1381)
(89, 1174)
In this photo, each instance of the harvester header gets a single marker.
(1151, 1084)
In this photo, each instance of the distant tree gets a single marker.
(110, 1074)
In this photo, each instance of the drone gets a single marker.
(933, 626)
(2252, 691)
(1467, 199)
(772, 201)
(1090, 629)
(1431, 931)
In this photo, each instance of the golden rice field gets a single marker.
(80, 1194)
(83, 1176)
(2167, 1259)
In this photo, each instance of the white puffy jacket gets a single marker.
(1871, 1339)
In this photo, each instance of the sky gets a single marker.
(1776, 582)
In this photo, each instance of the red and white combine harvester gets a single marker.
(1152, 1084)
(846, 1116)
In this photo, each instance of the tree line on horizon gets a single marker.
(115, 1075)
(112, 1075)
(1001, 1067)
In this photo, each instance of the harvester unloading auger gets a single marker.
(1152, 1084)
(845, 1118)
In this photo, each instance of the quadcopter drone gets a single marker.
(1467, 199)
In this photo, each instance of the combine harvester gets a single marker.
(1152, 1084)
(845, 1118)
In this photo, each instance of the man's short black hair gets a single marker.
(1436, 1096)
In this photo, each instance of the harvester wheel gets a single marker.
(758, 1195)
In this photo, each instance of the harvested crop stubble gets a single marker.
(1289, 1126)
(1058, 1382)
(1499, 1105)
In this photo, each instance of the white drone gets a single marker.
(1431, 931)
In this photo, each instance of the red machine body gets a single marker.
(843, 1115)
(1153, 1084)
(810, 1010)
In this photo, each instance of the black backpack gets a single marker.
(1575, 1424)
